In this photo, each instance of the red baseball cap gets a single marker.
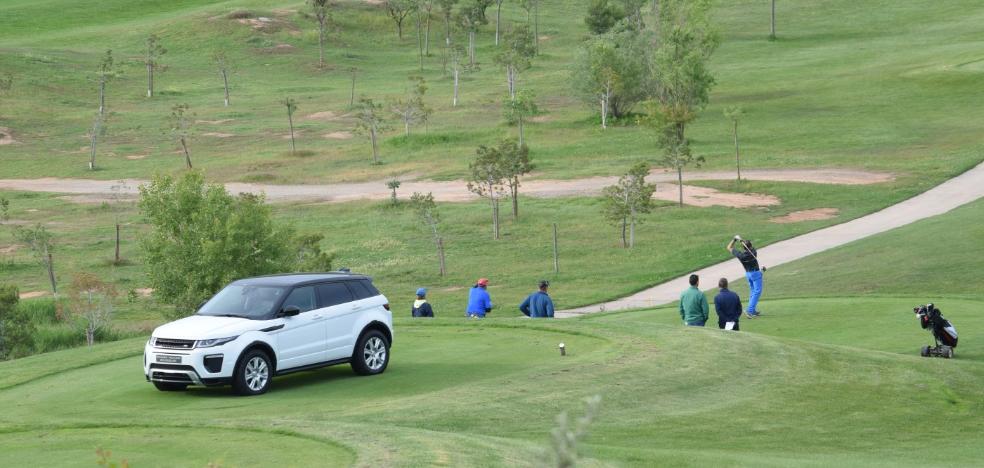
(483, 282)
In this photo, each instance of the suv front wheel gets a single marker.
(371, 354)
(253, 374)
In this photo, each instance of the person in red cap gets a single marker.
(479, 302)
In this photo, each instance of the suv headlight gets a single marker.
(214, 342)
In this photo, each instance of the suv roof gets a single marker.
(295, 279)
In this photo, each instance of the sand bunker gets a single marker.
(339, 136)
(807, 215)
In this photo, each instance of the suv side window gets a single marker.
(331, 294)
(359, 289)
(303, 298)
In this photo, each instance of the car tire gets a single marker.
(170, 386)
(253, 374)
(371, 353)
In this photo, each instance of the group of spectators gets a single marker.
(536, 305)
(694, 310)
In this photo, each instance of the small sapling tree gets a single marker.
(515, 56)
(518, 109)
(323, 17)
(370, 122)
(613, 70)
(412, 110)
(532, 7)
(426, 209)
(447, 11)
(398, 10)
(6, 86)
(291, 106)
(471, 16)
(152, 60)
(486, 180)
(602, 16)
(91, 300)
(734, 114)
(4, 210)
(42, 246)
(224, 65)
(98, 130)
(119, 192)
(181, 126)
(567, 435)
(393, 185)
(627, 200)
(457, 52)
(17, 328)
(108, 71)
(515, 164)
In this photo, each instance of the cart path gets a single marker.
(951, 194)
(97, 191)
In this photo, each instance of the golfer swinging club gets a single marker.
(749, 259)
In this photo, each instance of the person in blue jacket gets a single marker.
(539, 303)
(479, 302)
(422, 308)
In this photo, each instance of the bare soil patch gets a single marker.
(32, 294)
(541, 119)
(9, 249)
(807, 215)
(214, 122)
(339, 136)
(6, 136)
(218, 134)
(279, 49)
(297, 134)
(323, 115)
(144, 292)
(135, 157)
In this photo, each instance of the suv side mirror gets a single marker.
(200, 305)
(290, 311)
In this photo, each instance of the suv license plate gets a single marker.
(169, 359)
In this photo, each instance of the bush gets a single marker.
(16, 329)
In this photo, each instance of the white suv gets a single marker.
(256, 328)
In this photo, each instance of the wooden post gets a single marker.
(555, 251)
(440, 253)
(117, 257)
(51, 275)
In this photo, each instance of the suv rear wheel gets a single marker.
(371, 354)
(253, 373)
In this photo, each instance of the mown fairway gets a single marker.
(815, 382)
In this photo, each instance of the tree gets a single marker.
(323, 17)
(471, 16)
(602, 16)
(613, 70)
(91, 301)
(17, 328)
(108, 71)
(370, 122)
(772, 23)
(201, 237)
(498, 18)
(119, 191)
(427, 8)
(447, 11)
(152, 60)
(518, 109)
(516, 55)
(222, 62)
(4, 210)
(735, 113)
(181, 126)
(515, 164)
(291, 106)
(39, 240)
(398, 11)
(632, 10)
(412, 110)
(426, 210)
(393, 185)
(682, 78)
(98, 129)
(533, 7)
(625, 201)
(566, 435)
(309, 256)
(486, 180)
(457, 52)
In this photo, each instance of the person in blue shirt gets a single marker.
(421, 308)
(479, 302)
(539, 303)
(727, 304)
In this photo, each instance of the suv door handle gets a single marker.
(315, 317)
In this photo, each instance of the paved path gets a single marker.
(951, 194)
(96, 191)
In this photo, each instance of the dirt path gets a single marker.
(951, 194)
(95, 191)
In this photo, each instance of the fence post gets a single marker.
(440, 252)
(556, 258)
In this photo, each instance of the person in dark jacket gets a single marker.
(479, 302)
(727, 304)
(538, 304)
(422, 308)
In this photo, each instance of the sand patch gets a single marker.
(323, 115)
(807, 215)
(32, 294)
(218, 134)
(297, 134)
(144, 292)
(134, 157)
(541, 119)
(6, 137)
(214, 122)
(339, 136)
(9, 249)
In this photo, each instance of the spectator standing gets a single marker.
(693, 305)
(422, 308)
(727, 304)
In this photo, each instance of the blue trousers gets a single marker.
(755, 284)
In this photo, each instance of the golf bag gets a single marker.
(944, 333)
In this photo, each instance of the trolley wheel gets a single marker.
(924, 352)
(948, 353)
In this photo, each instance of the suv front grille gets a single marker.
(169, 377)
(171, 343)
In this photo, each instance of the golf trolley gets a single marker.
(944, 334)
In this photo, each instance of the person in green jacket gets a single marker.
(693, 305)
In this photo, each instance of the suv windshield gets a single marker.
(252, 302)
